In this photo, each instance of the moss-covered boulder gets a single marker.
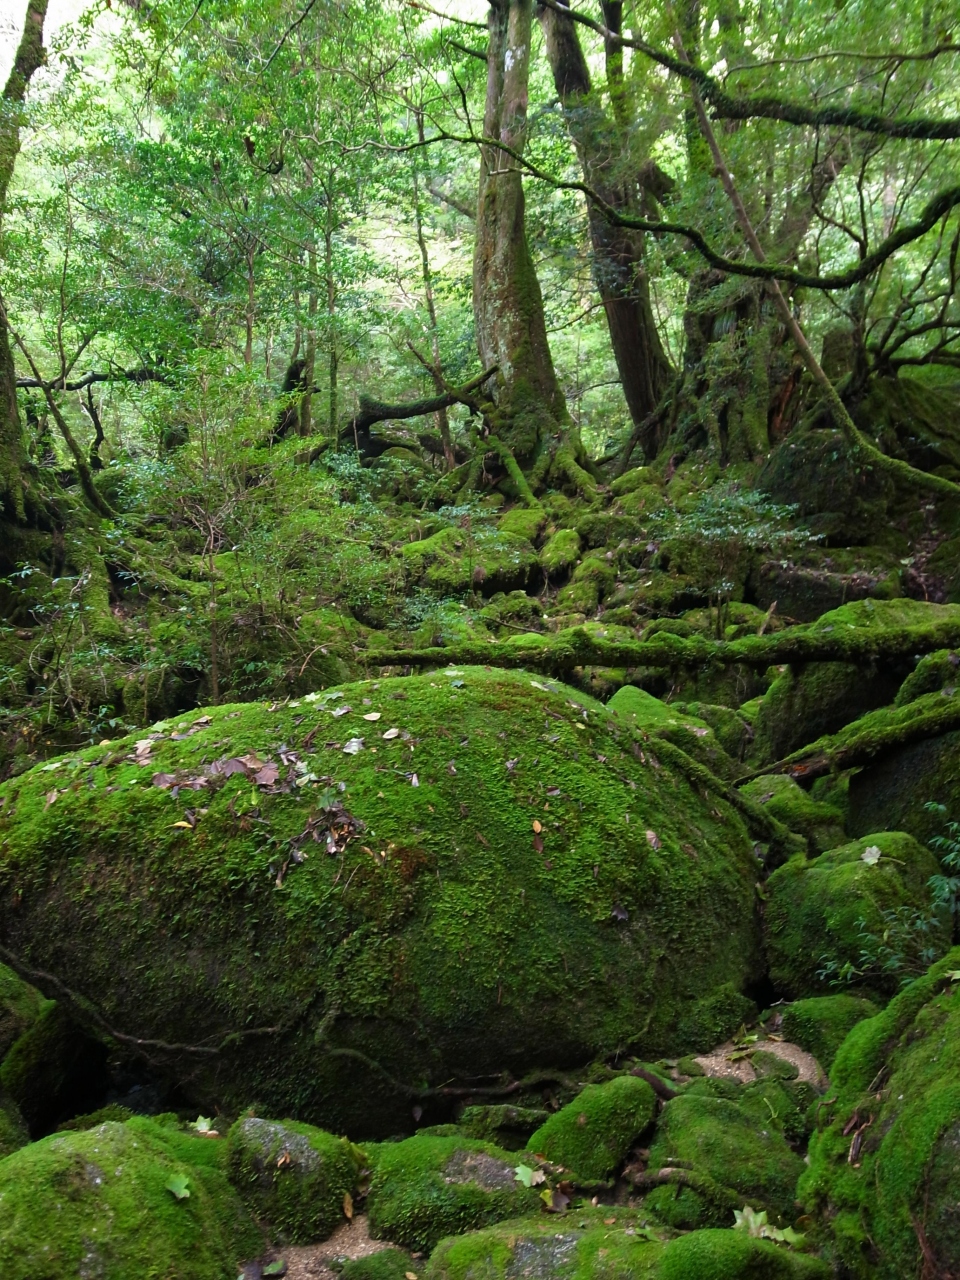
(20, 1006)
(642, 710)
(385, 1264)
(560, 553)
(820, 1024)
(593, 1134)
(502, 1123)
(884, 1175)
(431, 1186)
(456, 560)
(733, 1156)
(934, 672)
(392, 884)
(819, 912)
(734, 1255)
(13, 1129)
(605, 1244)
(819, 823)
(820, 698)
(293, 1176)
(55, 1070)
(895, 790)
(118, 1201)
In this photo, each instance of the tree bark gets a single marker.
(30, 56)
(618, 266)
(507, 302)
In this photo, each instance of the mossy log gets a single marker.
(796, 645)
(870, 737)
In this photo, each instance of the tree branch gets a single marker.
(116, 375)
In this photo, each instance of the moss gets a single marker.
(592, 579)
(731, 728)
(293, 1176)
(733, 1255)
(580, 1246)
(894, 790)
(731, 1147)
(97, 1204)
(715, 1017)
(505, 1125)
(820, 824)
(593, 1134)
(934, 671)
(821, 1023)
(385, 1264)
(454, 561)
(428, 1187)
(13, 1131)
(633, 479)
(642, 502)
(442, 941)
(606, 528)
(641, 710)
(815, 907)
(884, 1175)
(820, 698)
(54, 1070)
(560, 553)
(525, 522)
(112, 1111)
(20, 1006)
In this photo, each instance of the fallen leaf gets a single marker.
(871, 855)
(555, 1200)
(188, 825)
(392, 733)
(353, 747)
(512, 764)
(284, 1160)
(528, 1177)
(347, 1205)
(232, 766)
(51, 796)
(618, 912)
(537, 826)
(163, 780)
(341, 711)
(202, 1124)
(372, 715)
(203, 720)
(177, 1185)
(268, 775)
(276, 1268)
(653, 840)
(414, 780)
(538, 843)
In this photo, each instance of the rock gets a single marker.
(884, 1175)
(735, 1152)
(822, 697)
(733, 1255)
(121, 1201)
(895, 791)
(593, 1134)
(581, 1246)
(819, 911)
(293, 1176)
(20, 1006)
(455, 560)
(641, 709)
(933, 673)
(820, 824)
(427, 1187)
(447, 937)
(385, 1264)
(55, 1070)
(820, 1024)
(13, 1129)
(505, 1125)
(560, 554)
(606, 528)
(524, 522)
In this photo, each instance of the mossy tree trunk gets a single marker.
(618, 253)
(30, 56)
(529, 414)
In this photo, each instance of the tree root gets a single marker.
(705, 1186)
(884, 731)
(85, 1013)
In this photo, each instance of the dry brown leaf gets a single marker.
(537, 826)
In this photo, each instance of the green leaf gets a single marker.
(177, 1185)
(202, 1124)
(527, 1176)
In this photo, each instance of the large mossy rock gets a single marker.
(819, 698)
(431, 1186)
(733, 1255)
(502, 877)
(293, 1176)
(735, 1151)
(819, 910)
(454, 561)
(593, 1134)
(120, 1201)
(895, 790)
(820, 824)
(820, 1024)
(884, 1175)
(642, 710)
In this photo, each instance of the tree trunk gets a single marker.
(618, 268)
(30, 56)
(507, 302)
